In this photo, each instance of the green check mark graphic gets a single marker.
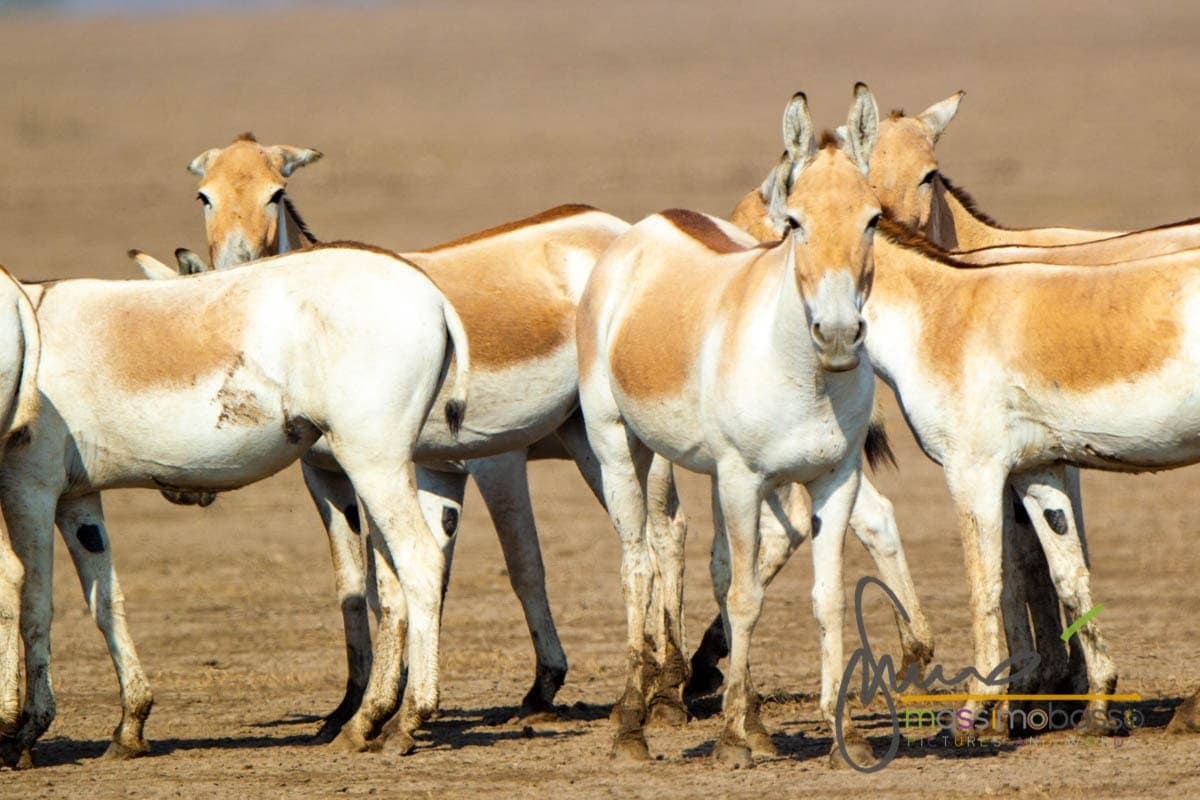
(1074, 627)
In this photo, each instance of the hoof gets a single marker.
(667, 713)
(400, 744)
(705, 681)
(859, 751)
(630, 747)
(350, 742)
(732, 755)
(118, 751)
(15, 756)
(761, 745)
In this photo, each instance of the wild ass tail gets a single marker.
(24, 411)
(878, 448)
(456, 406)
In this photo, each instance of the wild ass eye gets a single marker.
(203, 198)
(793, 223)
(276, 198)
(873, 223)
(928, 179)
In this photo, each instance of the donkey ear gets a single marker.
(775, 192)
(151, 267)
(862, 127)
(938, 116)
(292, 158)
(189, 263)
(199, 165)
(798, 136)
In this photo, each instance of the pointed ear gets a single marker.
(862, 127)
(798, 135)
(292, 158)
(151, 267)
(938, 116)
(775, 192)
(199, 165)
(189, 263)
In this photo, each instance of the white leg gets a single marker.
(81, 522)
(873, 521)
(978, 492)
(503, 482)
(1049, 506)
(740, 494)
(12, 576)
(334, 497)
(29, 516)
(833, 497)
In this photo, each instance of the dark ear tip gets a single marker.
(133, 253)
(182, 251)
(860, 87)
(801, 96)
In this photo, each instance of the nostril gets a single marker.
(861, 332)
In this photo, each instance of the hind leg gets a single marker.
(81, 522)
(503, 482)
(12, 576)
(29, 516)
(334, 497)
(667, 539)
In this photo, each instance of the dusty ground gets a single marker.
(439, 119)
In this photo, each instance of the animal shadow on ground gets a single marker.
(62, 750)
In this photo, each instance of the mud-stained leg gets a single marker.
(334, 497)
(503, 483)
(1077, 668)
(81, 522)
(29, 516)
(739, 494)
(873, 521)
(1049, 505)
(440, 495)
(666, 536)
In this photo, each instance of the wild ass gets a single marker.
(516, 287)
(211, 384)
(742, 362)
(20, 347)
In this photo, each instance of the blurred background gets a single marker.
(441, 118)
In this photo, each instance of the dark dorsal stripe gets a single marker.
(558, 212)
(701, 228)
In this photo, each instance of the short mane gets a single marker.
(246, 137)
(702, 229)
(968, 203)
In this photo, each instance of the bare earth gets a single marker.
(439, 119)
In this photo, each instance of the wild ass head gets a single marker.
(242, 188)
(826, 204)
(904, 167)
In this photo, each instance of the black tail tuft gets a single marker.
(454, 415)
(878, 449)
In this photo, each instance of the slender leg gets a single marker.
(740, 494)
(12, 576)
(503, 482)
(334, 497)
(29, 516)
(1077, 664)
(874, 523)
(440, 496)
(978, 492)
(784, 522)
(667, 539)
(833, 497)
(81, 522)
(1049, 506)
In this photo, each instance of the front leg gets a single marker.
(833, 498)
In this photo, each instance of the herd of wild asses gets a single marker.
(744, 349)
